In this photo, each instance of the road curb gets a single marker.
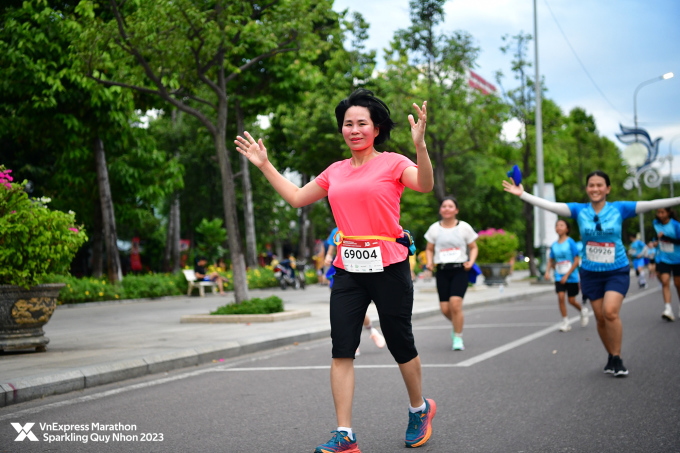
(240, 319)
(35, 387)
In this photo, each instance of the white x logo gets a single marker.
(24, 432)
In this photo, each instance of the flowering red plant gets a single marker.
(34, 240)
(496, 246)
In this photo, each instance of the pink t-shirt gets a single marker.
(365, 201)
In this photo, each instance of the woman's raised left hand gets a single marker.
(418, 129)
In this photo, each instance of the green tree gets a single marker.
(53, 119)
(521, 100)
(424, 64)
(311, 145)
(187, 52)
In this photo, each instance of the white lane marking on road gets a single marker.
(143, 385)
(96, 396)
(485, 326)
(465, 363)
(537, 307)
(531, 337)
(327, 367)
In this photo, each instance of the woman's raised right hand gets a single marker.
(254, 151)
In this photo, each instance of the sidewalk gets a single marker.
(100, 343)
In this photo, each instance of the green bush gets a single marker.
(78, 290)
(521, 266)
(34, 240)
(311, 277)
(255, 306)
(91, 289)
(496, 246)
(212, 235)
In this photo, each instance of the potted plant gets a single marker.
(496, 248)
(34, 242)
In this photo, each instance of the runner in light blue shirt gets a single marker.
(605, 276)
(564, 259)
(668, 256)
(637, 251)
(650, 257)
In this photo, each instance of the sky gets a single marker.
(620, 43)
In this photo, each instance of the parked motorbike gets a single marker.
(290, 273)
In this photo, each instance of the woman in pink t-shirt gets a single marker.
(364, 193)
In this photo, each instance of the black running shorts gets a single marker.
(665, 268)
(392, 293)
(451, 282)
(570, 288)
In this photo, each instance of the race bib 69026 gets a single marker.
(601, 252)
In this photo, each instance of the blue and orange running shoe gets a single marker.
(340, 442)
(420, 425)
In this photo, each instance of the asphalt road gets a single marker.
(519, 386)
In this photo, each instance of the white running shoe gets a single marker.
(377, 338)
(584, 316)
(565, 327)
(668, 313)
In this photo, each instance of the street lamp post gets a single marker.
(666, 76)
(670, 161)
(540, 175)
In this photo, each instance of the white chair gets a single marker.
(190, 275)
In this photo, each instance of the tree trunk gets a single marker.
(97, 242)
(278, 246)
(171, 256)
(108, 217)
(167, 255)
(439, 176)
(248, 209)
(302, 247)
(169, 238)
(528, 211)
(238, 261)
(175, 235)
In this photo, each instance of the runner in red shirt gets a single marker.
(364, 193)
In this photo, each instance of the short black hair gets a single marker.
(671, 213)
(599, 173)
(451, 198)
(566, 223)
(380, 113)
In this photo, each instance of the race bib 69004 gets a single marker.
(361, 256)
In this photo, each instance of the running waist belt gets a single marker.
(406, 240)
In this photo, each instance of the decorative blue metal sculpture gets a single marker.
(650, 176)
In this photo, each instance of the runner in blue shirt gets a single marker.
(581, 250)
(564, 259)
(651, 258)
(637, 252)
(605, 271)
(668, 256)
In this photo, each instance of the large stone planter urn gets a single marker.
(495, 273)
(23, 313)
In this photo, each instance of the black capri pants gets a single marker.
(452, 281)
(392, 293)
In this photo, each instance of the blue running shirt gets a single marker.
(604, 250)
(637, 247)
(668, 252)
(564, 255)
